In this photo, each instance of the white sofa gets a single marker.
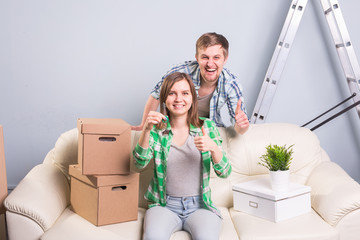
(38, 208)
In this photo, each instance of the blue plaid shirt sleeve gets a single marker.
(235, 93)
(155, 93)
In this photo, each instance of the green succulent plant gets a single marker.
(277, 157)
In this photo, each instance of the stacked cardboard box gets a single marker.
(104, 146)
(103, 190)
(3, 181)
(3, 186)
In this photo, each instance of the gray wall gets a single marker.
(65, 59)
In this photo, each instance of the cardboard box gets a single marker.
(104, 146)
(3, 229)
(257, 198)
(3, 179)
(104, 199)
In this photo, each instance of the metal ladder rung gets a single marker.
(341, 45)
(286, 45)
(330, 9)
(351, 79)
(272, 81)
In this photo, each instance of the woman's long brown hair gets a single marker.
(169, 81)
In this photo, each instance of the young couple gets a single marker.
(184, 146)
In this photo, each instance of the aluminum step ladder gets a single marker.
(342, 43)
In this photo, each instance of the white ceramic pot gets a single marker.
(279, 180)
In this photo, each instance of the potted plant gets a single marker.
(278, 159)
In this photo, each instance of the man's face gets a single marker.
(211, 61)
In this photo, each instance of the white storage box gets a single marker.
(257, 198)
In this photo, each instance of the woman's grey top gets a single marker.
(183, 171)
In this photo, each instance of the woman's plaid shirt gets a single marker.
(159, 146)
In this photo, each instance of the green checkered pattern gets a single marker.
(159, 146)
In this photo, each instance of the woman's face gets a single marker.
(179, 100)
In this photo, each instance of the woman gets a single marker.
(183, 147)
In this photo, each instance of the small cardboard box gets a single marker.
(104, 146)
(104, 199)
(3, 229)
(257, 198)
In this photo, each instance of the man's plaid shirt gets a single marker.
(159, 146)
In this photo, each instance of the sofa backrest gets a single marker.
(65, 151)
(243, 151)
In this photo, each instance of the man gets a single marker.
(215, 85)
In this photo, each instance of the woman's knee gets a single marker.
(160, 223)
(203, 225)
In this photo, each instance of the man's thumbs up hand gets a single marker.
(238, 107)
(242, 121)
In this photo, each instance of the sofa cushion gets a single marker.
(308, 226)
(71, 226)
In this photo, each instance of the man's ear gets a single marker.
(226, 59)
(196, 57)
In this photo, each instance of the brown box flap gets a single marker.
(102, 180)
(102, 126)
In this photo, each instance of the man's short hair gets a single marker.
(210, 39)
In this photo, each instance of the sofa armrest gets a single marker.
(334, 194)
(42, 195)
